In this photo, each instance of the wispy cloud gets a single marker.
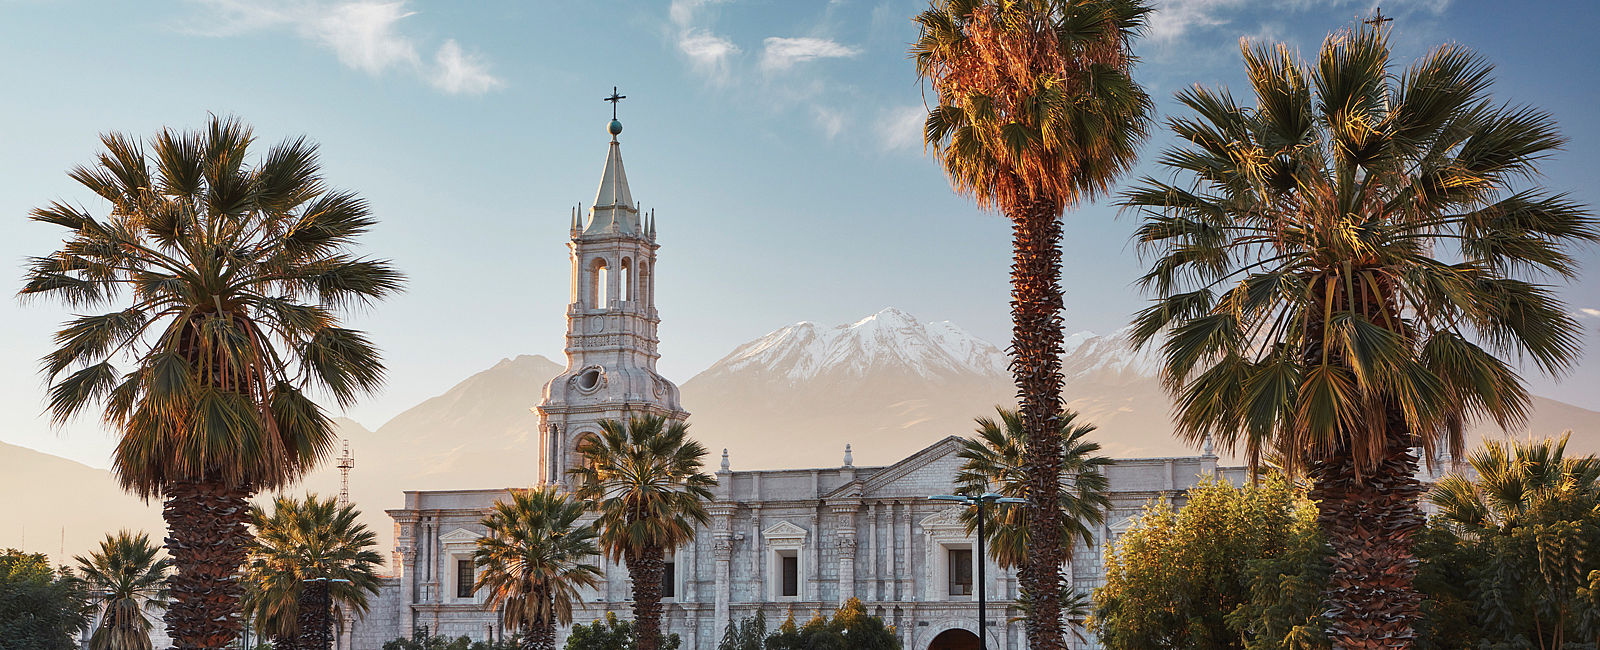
(830, 121)
(1587, 312)
(363, 34)
(1173, 19)
(457, 72)
(782, 53)
(901, 128)
(708, 52)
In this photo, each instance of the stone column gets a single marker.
(875, 584)
(406, 563)
(722, 549)
(691, 573)
(759, 563)
(906, 584)
(814, 590)
(846, 513)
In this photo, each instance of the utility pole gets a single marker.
(346, 463)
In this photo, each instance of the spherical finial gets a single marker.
(615, 128)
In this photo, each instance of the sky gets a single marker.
(778, 142)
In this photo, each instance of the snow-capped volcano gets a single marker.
(888, 382)
(888, 339)
(895, 340)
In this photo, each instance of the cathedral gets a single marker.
(781, 542)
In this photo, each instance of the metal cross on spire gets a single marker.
(614, 98)
(1378, 19)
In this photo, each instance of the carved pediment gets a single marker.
(784, 531)
(459, 536)
(948, 519)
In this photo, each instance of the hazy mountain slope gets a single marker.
(889, 385)
(886, 384)
(480, 433)
(45, 495)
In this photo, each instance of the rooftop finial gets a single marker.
(725, 459)
(849, 461)
(615, 128)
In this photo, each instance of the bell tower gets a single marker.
(611, 323)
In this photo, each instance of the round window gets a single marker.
(589, 379)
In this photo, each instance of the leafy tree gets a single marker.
(1036, 112)
(644, 480)
(534, 560)
(1235, 567)
(613, 633)
(127, 577)
(1448, 567)
(851, 628)
(40, 608)
(1340, 271)
(995, 461)
(749, 633)
(308, 555)
(861, 631)
(1530, 516)
(222, 281)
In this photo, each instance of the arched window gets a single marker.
(627, 279)
(597, 283)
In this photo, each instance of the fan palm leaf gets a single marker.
(1036, 111)
(995, 461)
(303, 545)
(1349, 270)
(643, 479)
(128, 576)
(535, 559)
(209, 296)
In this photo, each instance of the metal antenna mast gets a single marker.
(346, 462)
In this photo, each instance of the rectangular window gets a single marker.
(669, 581)
(789, 570)
(464, 578)
(960, 572)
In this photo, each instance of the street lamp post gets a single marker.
(983, 603)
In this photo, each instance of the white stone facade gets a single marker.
(838, 532)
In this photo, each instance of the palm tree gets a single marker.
(644, 480)
(220, 283)
(1036, 113)
(1339, 280)
(1516, 484)
(127, 574)
(307, 556)
(1530, 512)
(995, 461)
(534, 560)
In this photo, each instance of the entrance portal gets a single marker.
(954, 639)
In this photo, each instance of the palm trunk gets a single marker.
(312, 615)
(1036, 367)
(1371, 599)
(539, 636)
(645, 567)
(207, 539)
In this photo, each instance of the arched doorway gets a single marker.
(954, 639)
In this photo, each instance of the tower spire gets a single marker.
(613, 210)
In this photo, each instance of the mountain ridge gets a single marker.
(887, 384)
